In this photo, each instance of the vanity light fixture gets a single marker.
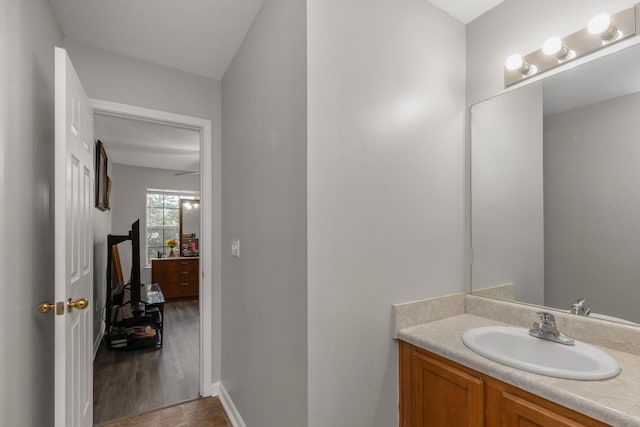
(555, 46)
(600, 25)
(556, 51)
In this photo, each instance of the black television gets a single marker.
(134, 281)
(134, 236)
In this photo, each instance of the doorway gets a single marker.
(183, 313)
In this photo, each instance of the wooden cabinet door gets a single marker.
(518, 412)
(439, 395)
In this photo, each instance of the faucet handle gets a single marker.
(546, 318)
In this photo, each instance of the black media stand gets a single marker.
(135, 313)
(143, 330)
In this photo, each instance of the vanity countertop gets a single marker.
(615, 401)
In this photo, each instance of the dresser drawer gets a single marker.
(178, 264)
(174, 276)
(180, 289)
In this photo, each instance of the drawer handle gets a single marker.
(184, 283)
(184, 272)
(184, 262)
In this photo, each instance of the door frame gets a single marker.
(210, 219)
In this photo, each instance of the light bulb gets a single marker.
(514, 62)
(552, 46)
(599, 24)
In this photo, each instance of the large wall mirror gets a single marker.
(189, 227)
(555, 190)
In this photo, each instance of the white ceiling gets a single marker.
(148, 144)
(198, 36)
(465, 11)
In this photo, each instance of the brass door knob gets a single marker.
(80, 304)
(46, 306)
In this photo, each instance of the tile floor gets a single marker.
(207, 412)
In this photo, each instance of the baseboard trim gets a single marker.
(215, 389)
(98, 340)
(229, 406)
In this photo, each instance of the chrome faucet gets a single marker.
(579, 309)
(546, 329)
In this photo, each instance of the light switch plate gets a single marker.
(235, 248)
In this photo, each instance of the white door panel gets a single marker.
(74, 198)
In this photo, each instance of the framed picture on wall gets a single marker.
(101, 177)
(108, 193)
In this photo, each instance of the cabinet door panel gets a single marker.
(522, 413)
(444, 396)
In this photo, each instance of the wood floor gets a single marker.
(206, 412)
(128, 383)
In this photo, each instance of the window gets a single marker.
(163, 220)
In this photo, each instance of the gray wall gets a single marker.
(28, 33)
(506, 193)
(118, 78)
(264, 294)
(385, 191)
(592, 207)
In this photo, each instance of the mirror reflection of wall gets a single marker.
(506, 186)
(189, 227)
(592, 206)
(555, 200)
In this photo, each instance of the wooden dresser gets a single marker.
(177, 277)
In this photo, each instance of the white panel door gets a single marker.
(73, 211)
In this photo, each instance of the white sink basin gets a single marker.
(516, 348)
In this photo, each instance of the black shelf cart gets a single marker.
(145, 325)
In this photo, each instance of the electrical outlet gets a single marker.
(235, 248)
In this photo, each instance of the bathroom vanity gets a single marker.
(444, 383)
(435, 391)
